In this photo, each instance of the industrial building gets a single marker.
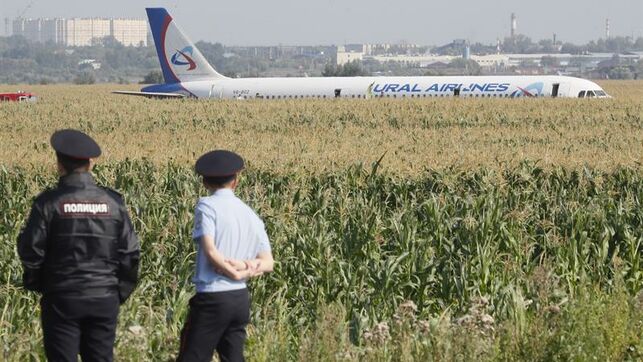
(82, 31)
(346, 55)
(493, 63)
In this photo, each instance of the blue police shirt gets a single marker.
(238, 234)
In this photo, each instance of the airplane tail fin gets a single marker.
(180, 60)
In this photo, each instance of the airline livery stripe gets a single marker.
(166, 25)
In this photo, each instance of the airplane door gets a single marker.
(563, 90)
(338, 93)
(554, 90)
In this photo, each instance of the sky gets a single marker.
(336, 22)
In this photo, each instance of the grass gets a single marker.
(491, 230)
(485, 257)
(317, 136)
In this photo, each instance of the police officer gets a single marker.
(232, 246)
(79, 250)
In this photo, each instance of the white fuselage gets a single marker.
(392, 87)
(187, 73)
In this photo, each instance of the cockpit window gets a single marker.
(581, 94)
(590, 94)
(600, 93)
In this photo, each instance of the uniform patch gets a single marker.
(84, 208)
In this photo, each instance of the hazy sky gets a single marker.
(271, 22)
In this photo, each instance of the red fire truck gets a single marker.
(18, 97)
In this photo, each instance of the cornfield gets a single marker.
(315, 136)
(403, 230)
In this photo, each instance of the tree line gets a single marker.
(22, 61)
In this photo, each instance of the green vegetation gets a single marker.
(452, 247)
(516, 264)
(350, 69)
(22, 61)
(322, 135)
(153, 77)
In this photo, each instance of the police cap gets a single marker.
(74, 144)
(219, 163)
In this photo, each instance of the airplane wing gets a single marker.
(150, 94)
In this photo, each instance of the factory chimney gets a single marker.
(514, 25)
(607, 28)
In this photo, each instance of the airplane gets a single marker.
(187, 74)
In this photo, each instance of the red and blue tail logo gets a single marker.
(180, 59)
(184, 57)
(532, 90)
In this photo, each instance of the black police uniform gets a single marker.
(80, 251)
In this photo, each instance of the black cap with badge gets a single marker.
(219, 163)
(75, 144)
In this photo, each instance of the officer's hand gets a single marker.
(255, 267)
(237, 264)
(254, 264)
